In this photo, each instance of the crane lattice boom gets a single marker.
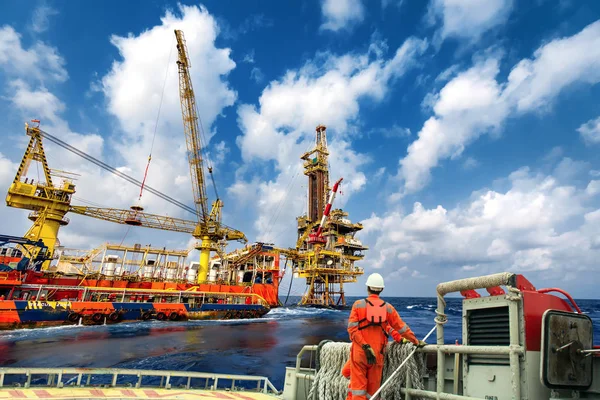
(191, 127)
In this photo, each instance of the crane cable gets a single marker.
(157, 118)
(204, 145)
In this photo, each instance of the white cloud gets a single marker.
(386, 3)
(40, 103)
(133, 86)
(40, 61)
(249, 57)
(540, 223)
(590, 131)
(220, 152)
(256, 75)
(341, 14)
(470, 163)
(395, 131)
(40, 20)
(468, 19)
(7, 171)
(324, 91)
(474, 102)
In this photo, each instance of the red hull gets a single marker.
(269, 292)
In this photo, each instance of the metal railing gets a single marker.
(108, 377)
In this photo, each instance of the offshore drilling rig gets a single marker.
(326, 248)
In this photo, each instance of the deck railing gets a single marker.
(108, 377)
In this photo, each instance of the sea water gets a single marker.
(262, 346)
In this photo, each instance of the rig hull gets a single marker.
(19, 314)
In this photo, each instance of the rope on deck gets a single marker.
(330, 384)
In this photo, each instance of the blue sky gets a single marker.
(467, 133)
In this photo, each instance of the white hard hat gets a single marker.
(375, 281)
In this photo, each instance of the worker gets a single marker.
(371, 321)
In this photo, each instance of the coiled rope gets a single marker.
(330, 384)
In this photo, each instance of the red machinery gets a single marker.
(317, 237)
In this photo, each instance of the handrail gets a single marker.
(165, 292)
(264, 385)
(567, 295)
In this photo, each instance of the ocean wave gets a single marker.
(298, 311)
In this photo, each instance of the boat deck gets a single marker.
(123, 393)
(108, 383)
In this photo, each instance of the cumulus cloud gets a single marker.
(326, 91)
(341, 14)
(590, 131)
(468, 19)
(542, 225)
(40, 20)
(40, 61)
(475, 103)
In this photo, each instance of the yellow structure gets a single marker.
(48, 202)
(51, 203)
(209, 229)
(328, 264)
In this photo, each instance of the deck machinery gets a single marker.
(327, 247)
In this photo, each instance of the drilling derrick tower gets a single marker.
(326, 246)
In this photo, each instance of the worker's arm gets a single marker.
(396, 323)
(356, 335)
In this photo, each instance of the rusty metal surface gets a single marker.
(563, 363)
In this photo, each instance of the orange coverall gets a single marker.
(365, 378)
(346, 374)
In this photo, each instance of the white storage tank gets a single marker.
(171, 272)
(110, 263)
(240, 275)
(148, 269)
(193, 272)
(214, 272)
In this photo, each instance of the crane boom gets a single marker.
(120, 216)
(154, 221)
(190, 126)
(209, 228)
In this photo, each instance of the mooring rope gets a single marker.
(330, 384)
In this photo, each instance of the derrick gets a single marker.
(325, 257)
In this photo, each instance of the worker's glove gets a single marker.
(370, 353)
(397, 337)
(405, 341)
(421, 344)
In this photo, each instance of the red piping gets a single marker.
(567, 295)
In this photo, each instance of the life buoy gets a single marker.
(146, 316)
(161, 316)
(173, 316)
(97, 317)
(114, 316)
(73, 317)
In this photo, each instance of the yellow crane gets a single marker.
(48, 202)
(51, 203)
(209, 228)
